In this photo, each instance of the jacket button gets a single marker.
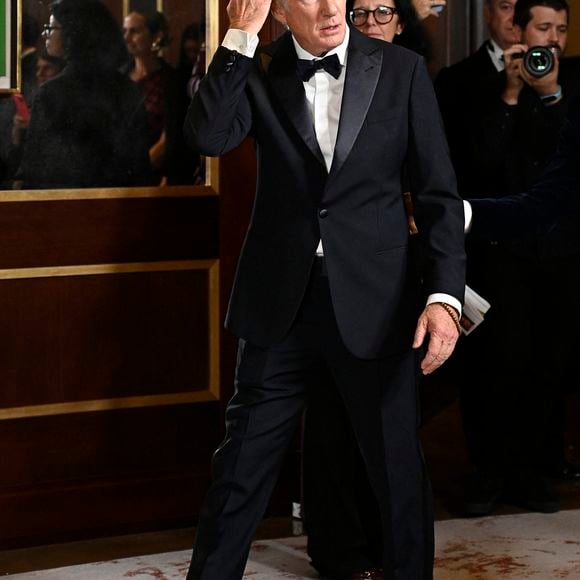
(233, 56)
(323, 213)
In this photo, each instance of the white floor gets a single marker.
(525, 546)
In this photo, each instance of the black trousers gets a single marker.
(340, 512)
(272, 388)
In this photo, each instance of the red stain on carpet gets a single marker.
(460, 557)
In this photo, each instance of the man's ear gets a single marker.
(279, 13)
(519, 33)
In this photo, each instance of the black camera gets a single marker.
(538, 60)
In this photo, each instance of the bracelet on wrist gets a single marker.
(452, 313)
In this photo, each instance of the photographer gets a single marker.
(503, 120)
(520, 71)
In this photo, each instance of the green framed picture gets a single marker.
(9, 45)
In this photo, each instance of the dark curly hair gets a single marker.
(91, 36)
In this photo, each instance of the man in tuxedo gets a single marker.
(503, 124)
(326, 290)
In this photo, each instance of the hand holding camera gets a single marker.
(536, 66)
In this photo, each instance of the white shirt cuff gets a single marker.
(440, 297)
(468, 213)
(241, 41)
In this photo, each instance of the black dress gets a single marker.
(87, 129)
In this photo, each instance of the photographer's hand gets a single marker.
(547, 84)
(513, 72)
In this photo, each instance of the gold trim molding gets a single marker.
(210, 393)
(99, 405)
(100, 269)
(168, 191)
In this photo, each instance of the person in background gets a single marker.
(87, 127)
(47, 67)
(340, 513)
(190, 71)
(191, 66)
(30, 41)
(503, 124)
(10, 108)
(146, 34)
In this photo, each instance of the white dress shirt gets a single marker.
(496, 54)
(324, 96)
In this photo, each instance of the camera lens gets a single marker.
(539, 61)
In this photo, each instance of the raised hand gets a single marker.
(424, 8)
(248, 15)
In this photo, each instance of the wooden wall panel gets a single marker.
(109, 362)
(83, 475)
(574, 30)
(106, 336)
(104, 231)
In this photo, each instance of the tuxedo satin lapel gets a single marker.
(363, 69)
(289, 90)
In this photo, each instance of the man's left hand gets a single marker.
(443, 335)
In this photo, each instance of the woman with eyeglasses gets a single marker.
(397, 21)
(382, 19)
(87, 127)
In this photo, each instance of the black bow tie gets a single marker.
(306, 68)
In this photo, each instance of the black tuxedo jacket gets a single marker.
(389, 118)
(467, 93)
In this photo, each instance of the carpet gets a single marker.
(534, 546)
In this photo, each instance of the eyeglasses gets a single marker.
(381, 14)
(47, 29)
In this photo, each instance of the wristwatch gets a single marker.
(552, 98)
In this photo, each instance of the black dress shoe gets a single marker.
(530, 492)
(482, 493)
(564, 471)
